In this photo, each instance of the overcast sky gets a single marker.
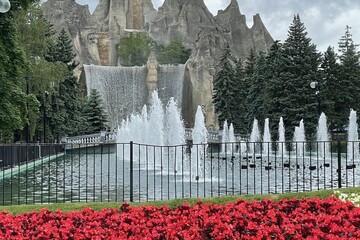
(325, 20)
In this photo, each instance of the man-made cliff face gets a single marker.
(95, 37)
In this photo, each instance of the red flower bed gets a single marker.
(286, 219)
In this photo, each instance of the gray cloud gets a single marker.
(325, 20)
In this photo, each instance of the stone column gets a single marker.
(152, 75)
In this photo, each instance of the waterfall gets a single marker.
(123, 89)
(170, 82)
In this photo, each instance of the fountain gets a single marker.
(232, 139)
(267, 146)
(281, 142)
(254, 137)
(198, 152)
(224, 137)
(353, 137)
(299, 144)
(322, 137)
(124, 90)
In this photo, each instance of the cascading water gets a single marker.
(281, 142)
(123, 89)
(299, 144)
(170, 82)
(267, 146)
(254, 137)
(353, 137)
(322, 137)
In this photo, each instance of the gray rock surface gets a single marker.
(95, 37)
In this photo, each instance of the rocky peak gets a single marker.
(243, 38)
(66, 14)
(180, 19)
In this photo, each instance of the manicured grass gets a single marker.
(69, 207)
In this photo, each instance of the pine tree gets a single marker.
(94, 114)
(274, 86)
(248, 75)
(224, 88)
(299, 69)
(65, 112)
(256, 95)
(332, 92)
(349, 72)
(240, 122)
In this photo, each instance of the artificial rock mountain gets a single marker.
(95, 36)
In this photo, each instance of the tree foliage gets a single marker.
(256, 95)
(224, 89)
(349, 73)
(173, 53)
(94, 114)
(13, 104)
(298, 69)
(134, 49)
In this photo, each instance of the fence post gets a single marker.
(131, 171)
(339, 163)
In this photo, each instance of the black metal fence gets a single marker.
(137, 172)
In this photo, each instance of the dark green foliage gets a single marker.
(64, 111)
(298, 69)
(173, 53)
(94, 114)
(256, 95)
(349, 73)
(135, 49)
(274, 86)
(332, 93)
(13, 104)
(240, 121)
(224, 89)
(63, 51)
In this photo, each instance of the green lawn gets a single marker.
(68, 207)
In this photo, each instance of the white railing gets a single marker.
(102, 137)
(110, 137)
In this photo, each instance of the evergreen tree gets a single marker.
(299, 69)
(248, 75)
(240, 122)
(94, 114)
(64, 110)
(274, 86)
(349, 72)
(333, 96)
(256, 95)
(224, 89)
